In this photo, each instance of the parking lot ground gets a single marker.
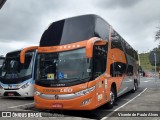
(147, 102)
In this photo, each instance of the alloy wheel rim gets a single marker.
(111, 97)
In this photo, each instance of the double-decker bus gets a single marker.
(16, 79)
(83, 63)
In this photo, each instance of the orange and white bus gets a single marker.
(83, 63)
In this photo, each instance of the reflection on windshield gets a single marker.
(13, 69)
(64, 66)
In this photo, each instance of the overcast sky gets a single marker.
(22, 22)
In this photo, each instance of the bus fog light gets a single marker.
(86, 101)
(26, 93)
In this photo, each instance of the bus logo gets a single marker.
(9, 86)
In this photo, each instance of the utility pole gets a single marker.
(139, 59)
(155, 62)
(155, 58)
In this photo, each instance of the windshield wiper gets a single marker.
(82, 79)
(78, 79)
(69, 79)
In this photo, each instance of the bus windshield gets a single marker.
(13, 70)
(1, 61)
(64, 67)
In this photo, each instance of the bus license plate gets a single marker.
(57, 105)
(10, 94)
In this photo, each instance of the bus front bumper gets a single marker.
(85, 102)
(27, 92)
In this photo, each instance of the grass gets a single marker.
(144, 62)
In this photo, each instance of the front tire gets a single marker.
(110, 104)
(135, 87)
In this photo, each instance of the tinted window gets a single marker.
(120, 43)
(1, 61)
(117, 69)
(116, 41)
(100, 59)
(63, 68)
(68, 31)
(102, 29)
(13, 71)
(130, 51)
(75, 29)
(130, 70)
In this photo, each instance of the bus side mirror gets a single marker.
(23, 52)
(90, 43)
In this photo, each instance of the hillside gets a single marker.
(144, 62)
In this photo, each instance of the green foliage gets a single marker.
(145, 63)
(157, 35)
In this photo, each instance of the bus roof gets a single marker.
(2, 2)
(75, 29)
(13, 53)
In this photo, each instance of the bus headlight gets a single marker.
(25, 85)
(86, 91)
(1, 86)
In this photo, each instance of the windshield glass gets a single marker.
(1, 61)
(13, 69)
(64, 67)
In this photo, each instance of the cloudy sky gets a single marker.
(22, 22)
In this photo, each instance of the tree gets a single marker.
(157, 35)
(152, 57)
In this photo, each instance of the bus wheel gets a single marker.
(135, 87)
(110, 104)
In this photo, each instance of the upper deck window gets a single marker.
(75, 29)
(68, 31)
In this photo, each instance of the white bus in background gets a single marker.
(16, 79)
(1, 60)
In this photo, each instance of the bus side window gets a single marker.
(117, 69)
(130, 70)
(99, 60)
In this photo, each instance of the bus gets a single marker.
(16, 79)
(82, 64)
(1, 61)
